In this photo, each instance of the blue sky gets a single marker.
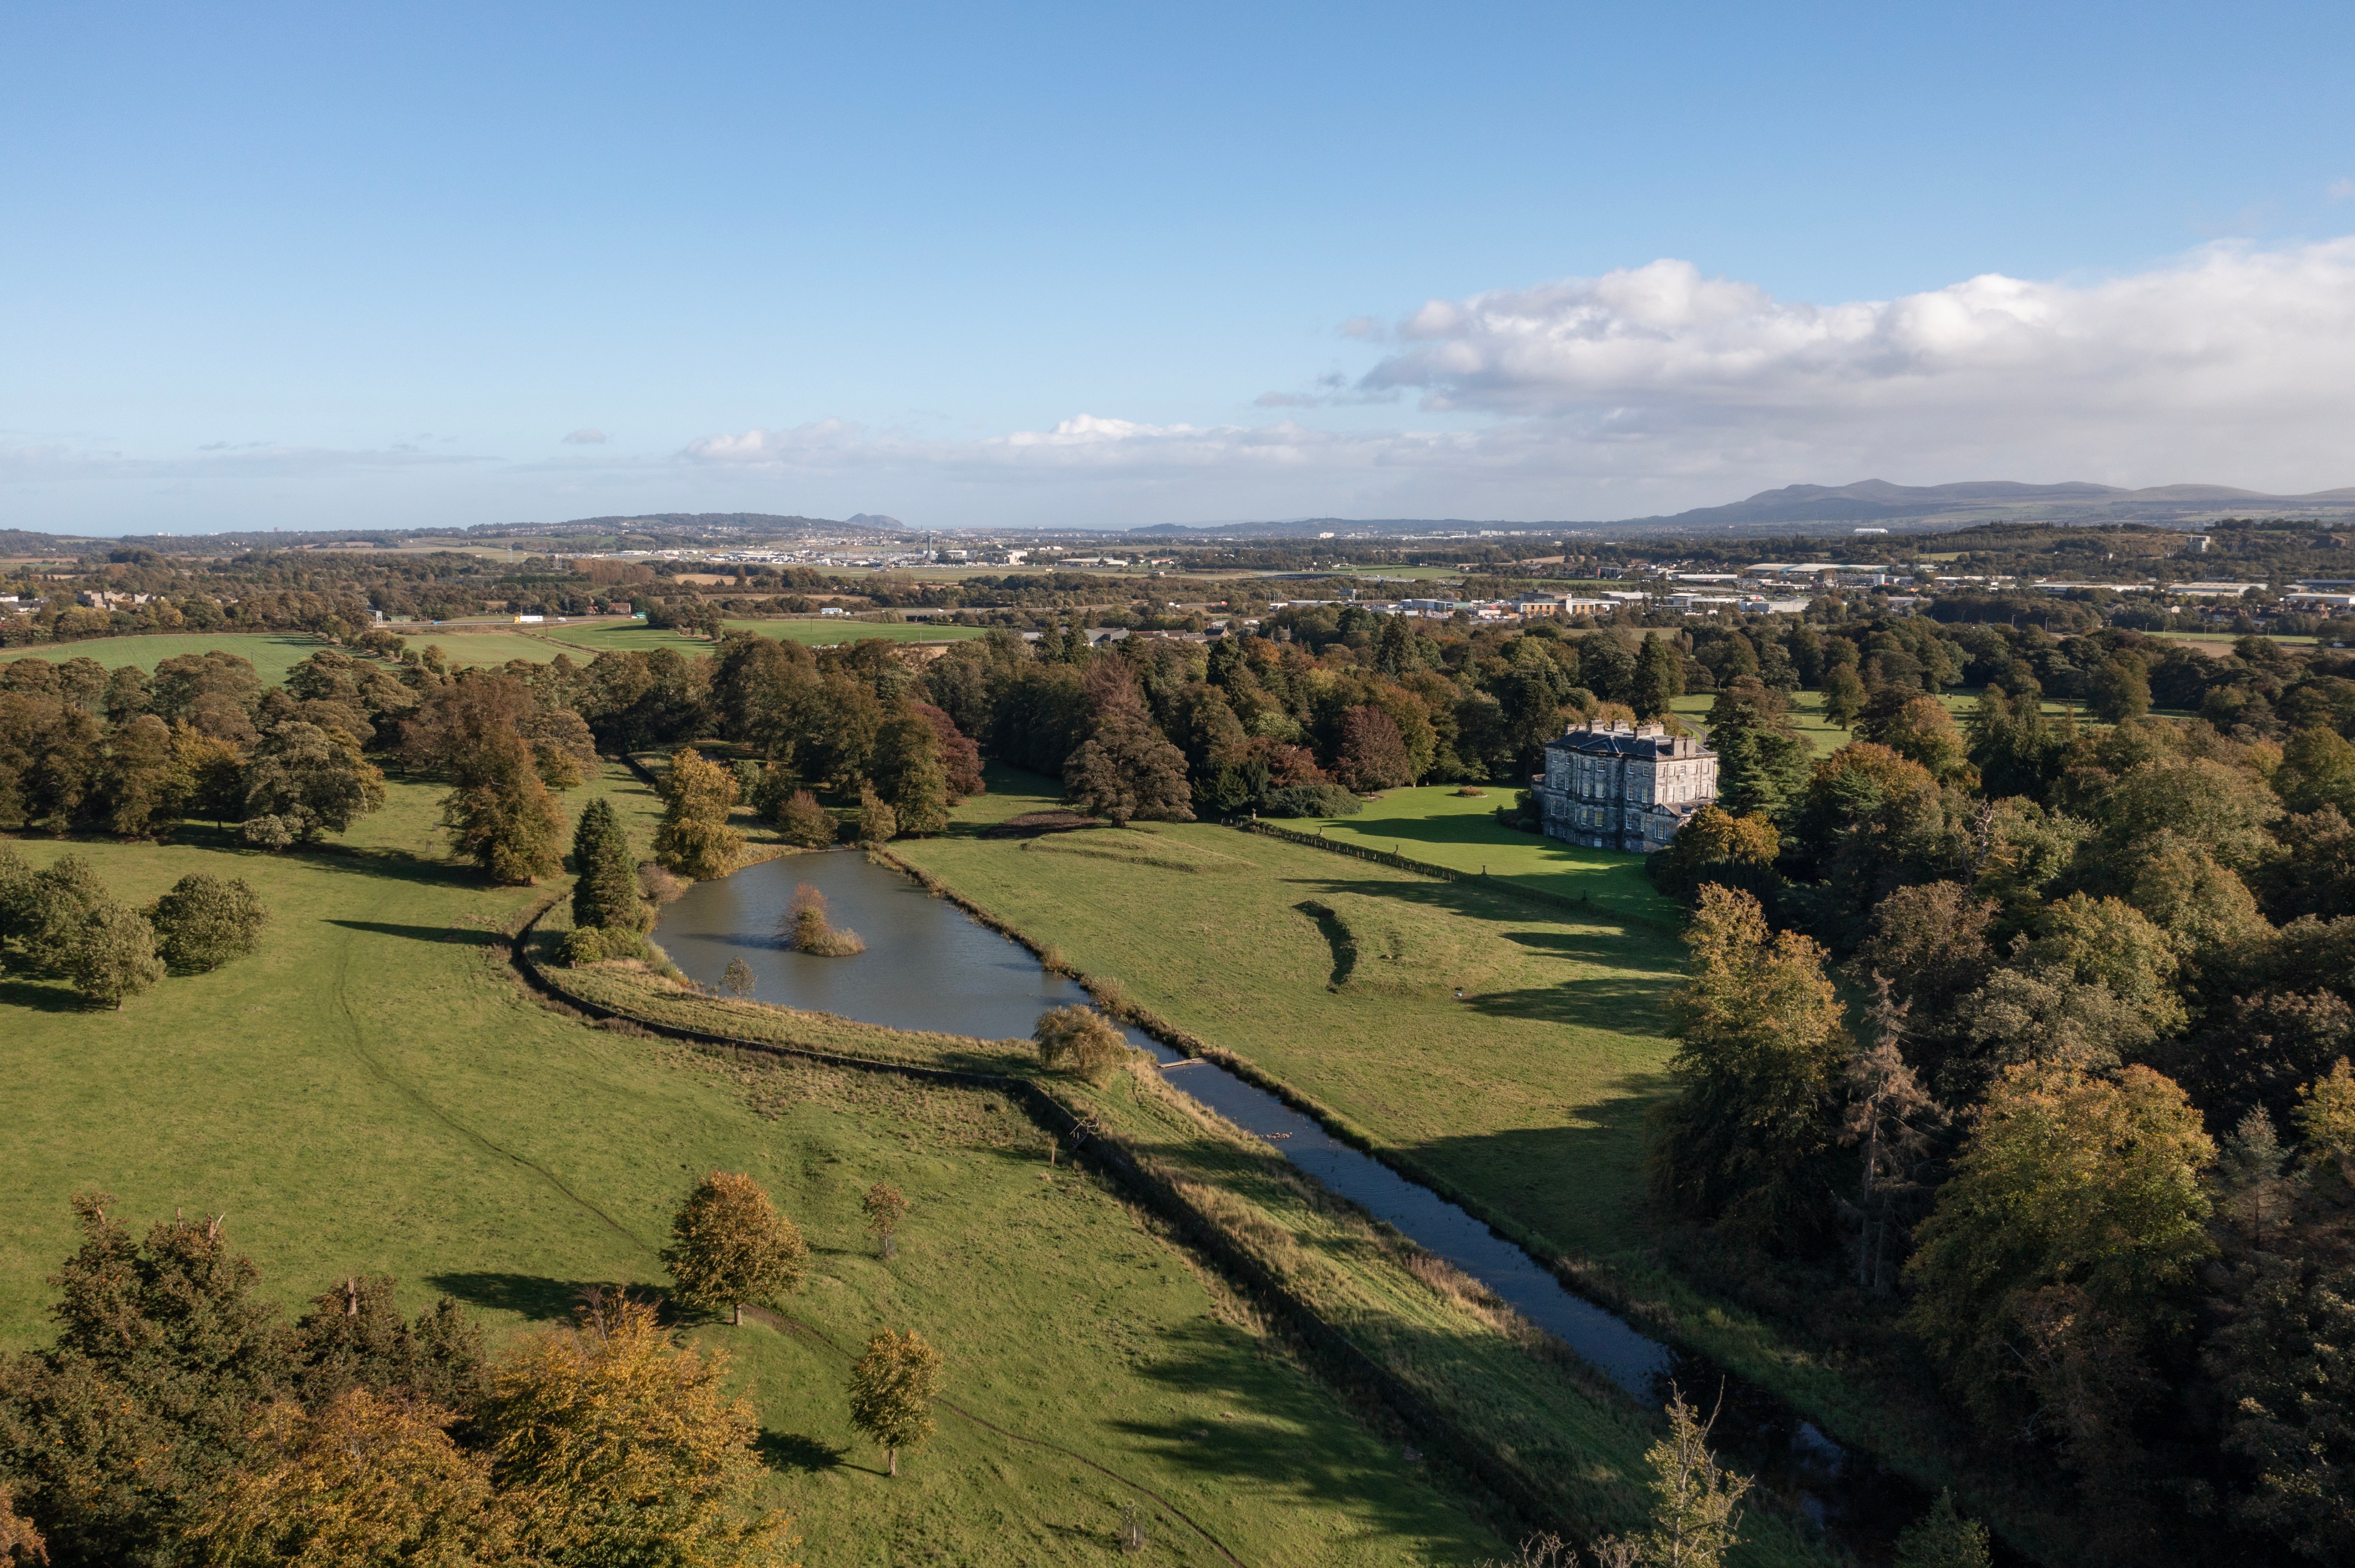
(343, 266)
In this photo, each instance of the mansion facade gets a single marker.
(1623, 787)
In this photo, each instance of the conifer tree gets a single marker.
(605, 887)
(892, 1391)
(1659, 676)
(729, 1245)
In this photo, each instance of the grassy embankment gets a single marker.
(374, 1091)
(1526, 1097)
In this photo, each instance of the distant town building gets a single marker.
(1623, 787)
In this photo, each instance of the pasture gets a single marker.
(273, 652)
(374, 1091)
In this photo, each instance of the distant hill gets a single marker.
(1867, 503)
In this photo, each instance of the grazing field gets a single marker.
(374, 1091)
(819, 633)
(273, 652)
(1461, 832)
(486, 646)
(1527, 1089)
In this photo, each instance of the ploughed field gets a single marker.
(374, 1091)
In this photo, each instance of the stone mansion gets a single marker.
(1623, 787)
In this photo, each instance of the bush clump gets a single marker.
(597, 943)
(1310, 800)
(803, 822)
(657, 885)
(808, 929)
(204, 921)
(1081, 1038)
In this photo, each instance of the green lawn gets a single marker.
(374, 1091)
(1461, 832)
(1529, 1089)
(273, 652)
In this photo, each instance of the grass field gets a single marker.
(1527, 1095)
(1461, 832)
(273, 652)
(1530, 1088)
(374, 1091)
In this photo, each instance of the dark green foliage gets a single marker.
(1944, 1539)
(502, 817)
(1660, 677)
(1310, 800)
(205, 921)
(110, 957)
(310, 782)
(355, 1337)
(2285, 1368)
(144, 1402)
(907, 773)
(605, 886)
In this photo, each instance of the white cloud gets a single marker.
(2339, 190)
(588, 436)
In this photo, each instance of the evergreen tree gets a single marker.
(729, 1245)
(122, 1431)
(205, 921)
(605, 885)
(501, 815)
(892, 1391)
(694, 839)
(1659, 676)
(1125, 768)
(1944, 1539)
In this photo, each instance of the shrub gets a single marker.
(657, 885)
(878, 822)
(808, 929)
(1310, 800)
(1082, 1037)
(204, 921)
(803, 822)
(267, 832)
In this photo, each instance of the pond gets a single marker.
(930, 965)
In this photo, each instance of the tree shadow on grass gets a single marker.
(530, 1295)
(40, 997)
(456, 935)
(797, 1452)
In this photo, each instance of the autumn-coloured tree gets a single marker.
(215, 769)
(809, 929)
(1761, 1048)
(21, 1546)
(878, 822)
(736, 979)
(885, 1206)
(1370, 755)
(501, 815)
(205, 921)
(609, 1443)
(694, 839)
(1125, 768)
(960, 753)
(729, 1245)
(2063, 1250)
(1081, 1038)
(892, 1391)
(803, 822)
(368, 1478)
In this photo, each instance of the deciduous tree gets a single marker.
(1081, 1037)
(729, 1245)
(310, 782)
(892, 1391)
(694, 839)
(204, 921)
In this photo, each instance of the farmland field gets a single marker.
(273, 652)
